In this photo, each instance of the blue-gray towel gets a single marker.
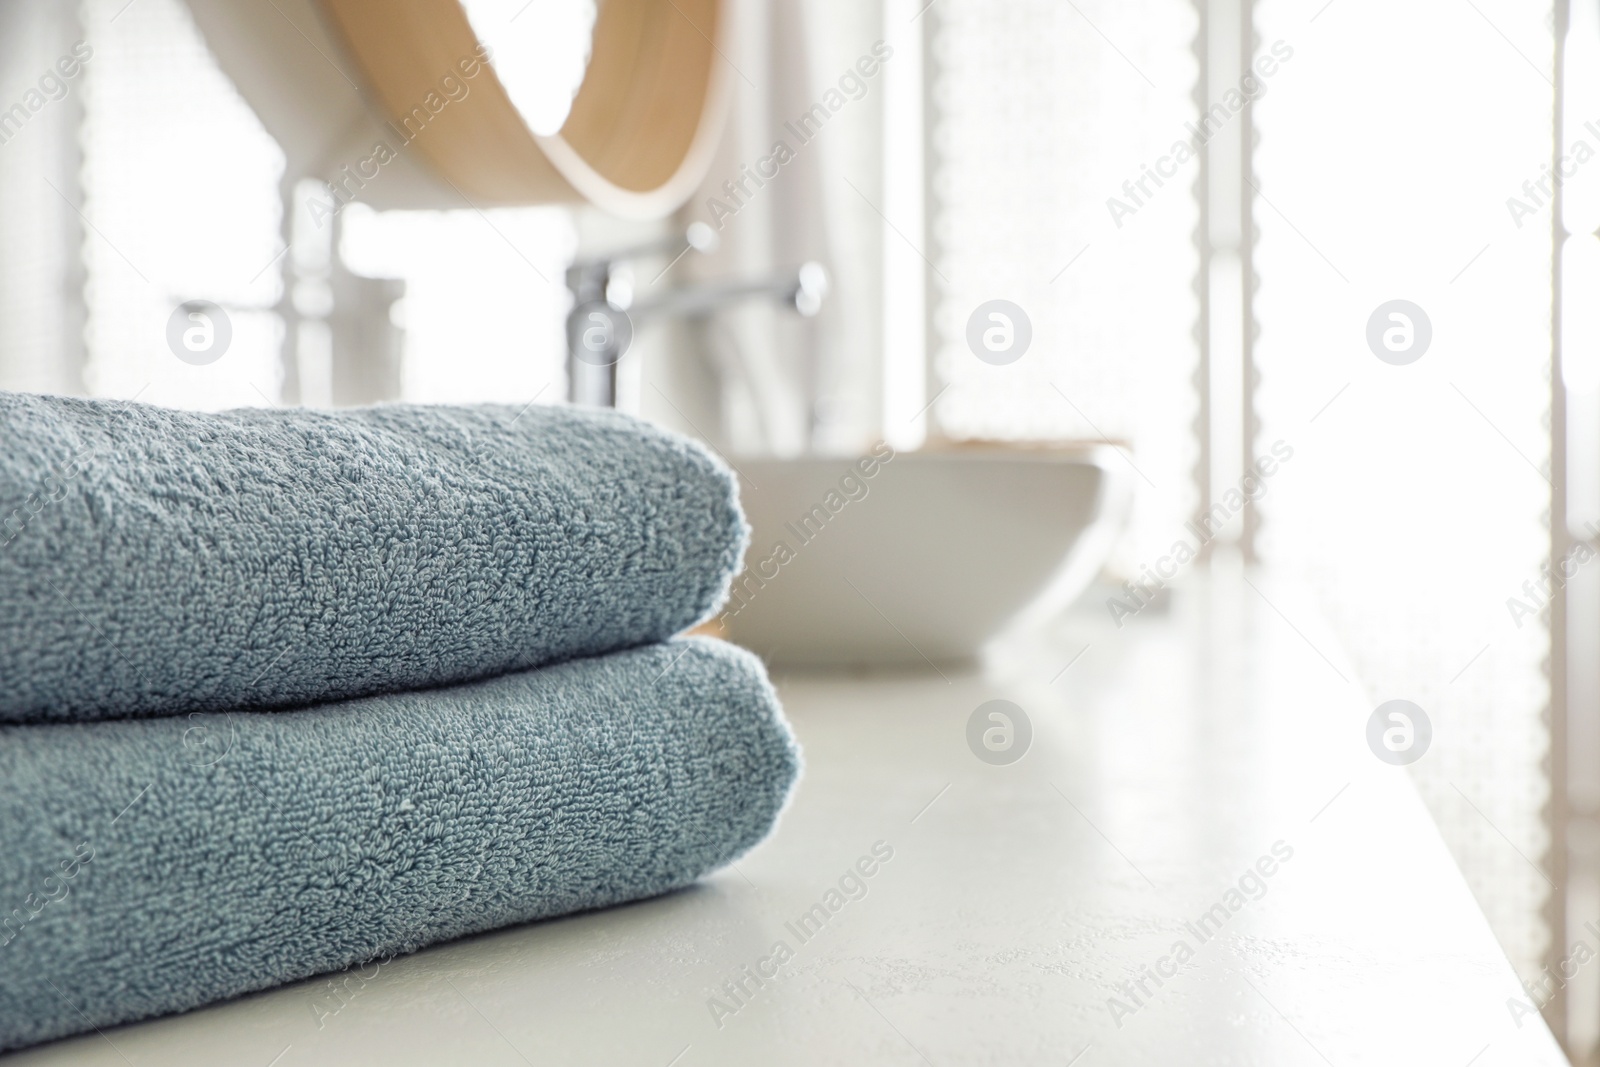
(151, 865)
(157, 562)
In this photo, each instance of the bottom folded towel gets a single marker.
(149, 866)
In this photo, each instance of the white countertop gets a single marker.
(1170, 757)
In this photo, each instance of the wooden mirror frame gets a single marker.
(637, 141)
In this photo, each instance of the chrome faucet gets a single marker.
(601, 324)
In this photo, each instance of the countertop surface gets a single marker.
(1196, 859)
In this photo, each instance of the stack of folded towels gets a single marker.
(286, 691)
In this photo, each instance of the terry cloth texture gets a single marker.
(160, 562)
(211, 855)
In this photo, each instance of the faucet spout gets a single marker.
(801, 290)
(601, 324)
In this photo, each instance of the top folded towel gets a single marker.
(163, 562)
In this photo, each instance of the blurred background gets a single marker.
(1198, 307)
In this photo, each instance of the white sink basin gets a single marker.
(929, 558)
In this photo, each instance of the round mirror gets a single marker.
(498, 102)
(641, 126)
